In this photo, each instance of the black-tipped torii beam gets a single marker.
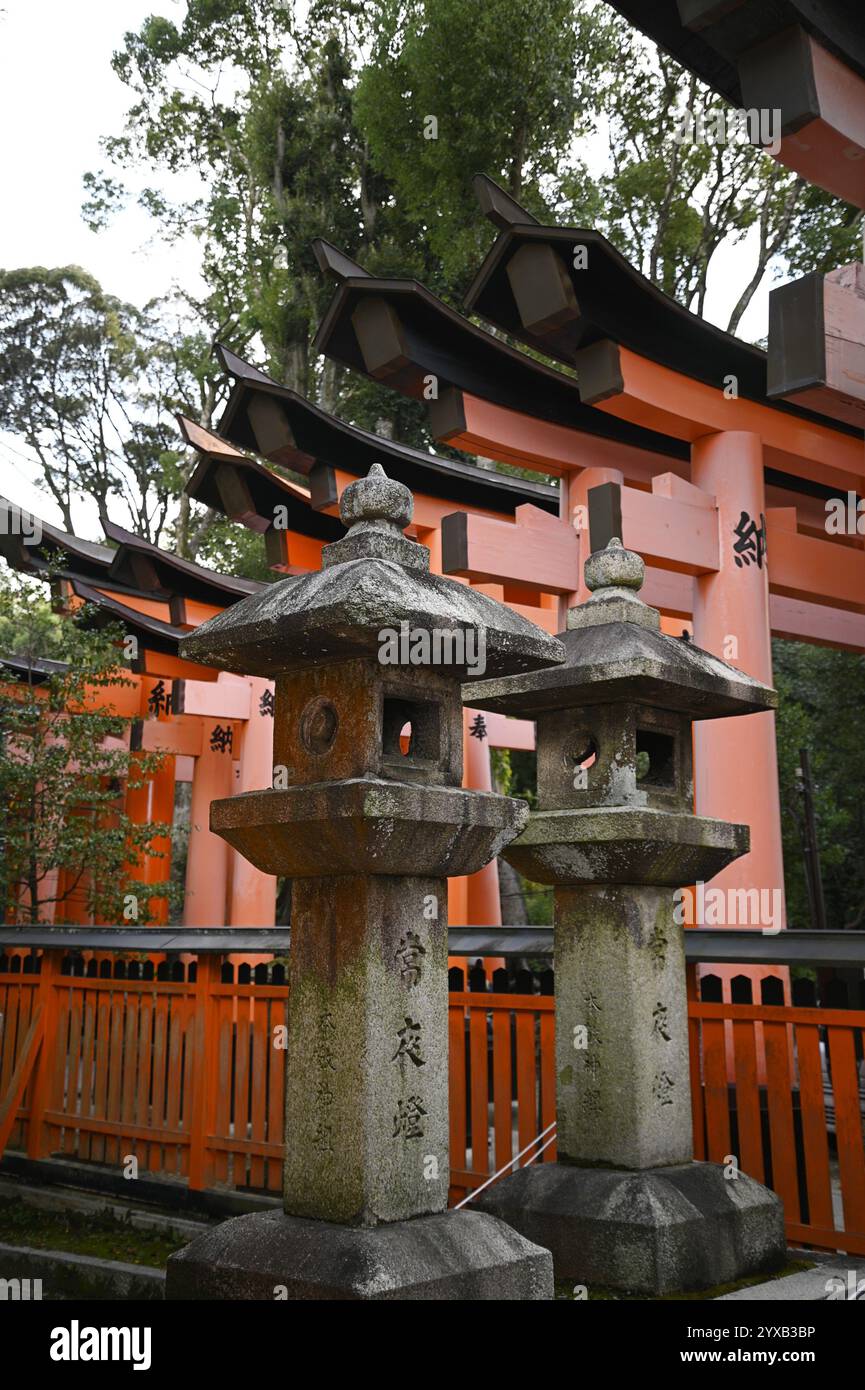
(266, 418)
(397, 332)
(566, 292)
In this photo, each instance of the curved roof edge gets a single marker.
(303, 436)
(707, 37)
(400, 334)
(610, 299)
(163, 574)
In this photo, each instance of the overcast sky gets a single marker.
(58, 95)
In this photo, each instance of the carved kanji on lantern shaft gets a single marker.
(369, 825)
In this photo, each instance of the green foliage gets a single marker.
(318, 127)
(231, 549)
(454, 87)
(668, 204)
(95, 1233)
(236, 93)
(822, 695)
(90, 384)
(64, 760)
(514, 773)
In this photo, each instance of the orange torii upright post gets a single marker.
(736, 762)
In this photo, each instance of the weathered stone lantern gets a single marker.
(368, 818)
(624, 1205)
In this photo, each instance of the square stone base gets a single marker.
(654, 1231)
(450, 1255)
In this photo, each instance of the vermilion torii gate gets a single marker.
(722, 489)
(283, 426)
(803, 58)
(214, 730)
(799, 64)
(665, 428)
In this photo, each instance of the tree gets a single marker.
(64, 834)
(90, 384)
(236, 94)
(822, 693)
(453, 87)
(668, 201)
(365, 124)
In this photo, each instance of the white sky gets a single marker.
(58, 95)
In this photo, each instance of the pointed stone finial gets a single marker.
(614, 575)
(376, 502)
(376, 510)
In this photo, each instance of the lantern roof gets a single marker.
(615, 652)
(373, 582)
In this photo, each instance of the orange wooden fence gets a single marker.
(177, 1066)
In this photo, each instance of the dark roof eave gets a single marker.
(468, 358)
(617, 302)
(213, 586)
(712, 52)
(353, 449)
(153, 633)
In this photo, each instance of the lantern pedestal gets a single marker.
(652, 1231)
(453, 1255)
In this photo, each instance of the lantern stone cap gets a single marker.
(616, 653)
(372, 580)
(368, 826)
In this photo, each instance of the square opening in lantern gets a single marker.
(656, 758)
(411, 731)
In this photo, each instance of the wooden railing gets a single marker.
(176, 1065)
(783, 1089)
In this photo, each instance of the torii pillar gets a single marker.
(208, 854)
(252, 894)
(153, 801)
(735, 761)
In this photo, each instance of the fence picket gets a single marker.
(848, 1126)
(780, 1102)
(480, 1087)
(750, 1145)
(815, 1137)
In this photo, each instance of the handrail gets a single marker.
(709, 945)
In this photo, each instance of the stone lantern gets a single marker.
(368, 818)
(614, 832)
